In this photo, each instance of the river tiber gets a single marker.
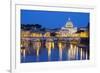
(60, 44)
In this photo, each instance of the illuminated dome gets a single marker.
(69, 24)
(68, 28)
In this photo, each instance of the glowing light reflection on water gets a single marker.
(53, 51)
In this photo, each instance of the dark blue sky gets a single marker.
(54, 19)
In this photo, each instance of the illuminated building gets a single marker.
(25, 33)
(83, 32)
(68, 30)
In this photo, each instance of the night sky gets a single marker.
(54, 19)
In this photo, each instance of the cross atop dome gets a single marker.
(69, 19)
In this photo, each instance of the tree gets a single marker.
(53, 34)
(37, 26)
